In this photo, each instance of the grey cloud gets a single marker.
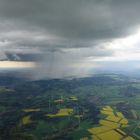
(61, 35)
(75, 19)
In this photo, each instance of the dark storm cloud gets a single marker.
(74, 19)
(64, 32)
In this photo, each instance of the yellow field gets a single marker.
(73, 98)
(119, 114)
(31, 110)
(95, 138)
(113, 118)
(107, 112)
(26, 120)
(65, 112)
(110, 126)
(111, 135)
(99, 129)
(124, 121)
(119, 118)
(59, 101)
(62, 112)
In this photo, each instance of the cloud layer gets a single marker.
(70, 37)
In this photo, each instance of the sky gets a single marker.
(70, 38)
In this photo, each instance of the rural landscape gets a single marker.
(102, 107)
(69, 69)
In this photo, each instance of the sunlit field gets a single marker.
(110, 127)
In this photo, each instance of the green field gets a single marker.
(98, 108)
